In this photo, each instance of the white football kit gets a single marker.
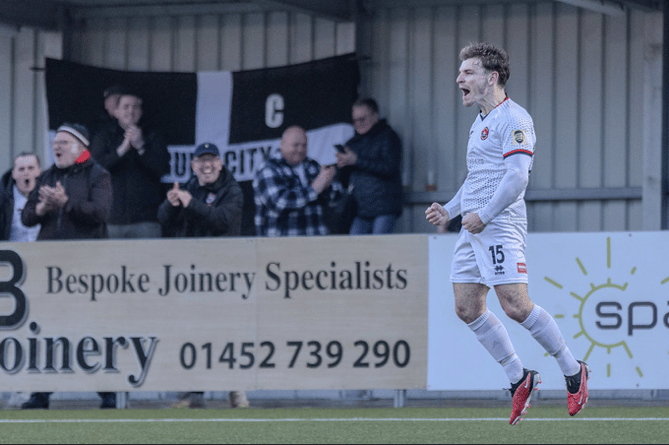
(499, 158)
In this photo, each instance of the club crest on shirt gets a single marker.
(484, 134)
(210, 198)
(518, 137)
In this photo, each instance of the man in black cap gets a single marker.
(71, 200)
(210, 205)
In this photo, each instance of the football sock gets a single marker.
(492, 334)
(545, 330)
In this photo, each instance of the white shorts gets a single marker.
(494, 256)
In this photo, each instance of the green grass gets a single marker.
(369, 425)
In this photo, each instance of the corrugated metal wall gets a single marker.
(580, 74)
(22, 96)
(209, 42)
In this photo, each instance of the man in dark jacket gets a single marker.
(210, 205)
(71, 200)
(15, 186)
(136, 159)
(373, 157)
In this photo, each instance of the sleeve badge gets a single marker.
(518, 137)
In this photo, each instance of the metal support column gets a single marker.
(400, 399)
(121, 400)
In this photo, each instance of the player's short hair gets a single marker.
(493, 58)
(369, 103)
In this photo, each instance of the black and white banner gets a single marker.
(244, 112)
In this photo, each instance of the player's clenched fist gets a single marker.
(437, 215)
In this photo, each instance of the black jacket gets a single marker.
(85, 216)
(215, 210)
(135, 179)
(376, 176)
(7, 203)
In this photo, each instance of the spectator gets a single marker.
(17, 184)
(453, 226)
(373, 158)
(136, 159)
(210, 205)
(289, 190)
(71, 200)
(111, 96)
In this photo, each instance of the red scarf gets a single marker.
(85, 156)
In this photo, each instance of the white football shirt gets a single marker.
(506, 131)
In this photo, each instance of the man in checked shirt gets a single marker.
(289, 190)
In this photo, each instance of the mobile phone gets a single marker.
(340, 148)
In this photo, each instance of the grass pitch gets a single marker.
(367, 425)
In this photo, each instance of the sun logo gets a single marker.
(605, 308)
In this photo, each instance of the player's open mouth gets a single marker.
(465, 92)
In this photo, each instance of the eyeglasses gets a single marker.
(63, 144)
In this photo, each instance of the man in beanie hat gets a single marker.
(71, 200)
(209, 205)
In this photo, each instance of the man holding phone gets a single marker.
(372, 158)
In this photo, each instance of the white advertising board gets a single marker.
(316, 313)
(609, 293)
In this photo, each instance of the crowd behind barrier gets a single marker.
(105, 183)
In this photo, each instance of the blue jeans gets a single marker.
(376, 226)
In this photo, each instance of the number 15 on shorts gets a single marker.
(497, 254)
